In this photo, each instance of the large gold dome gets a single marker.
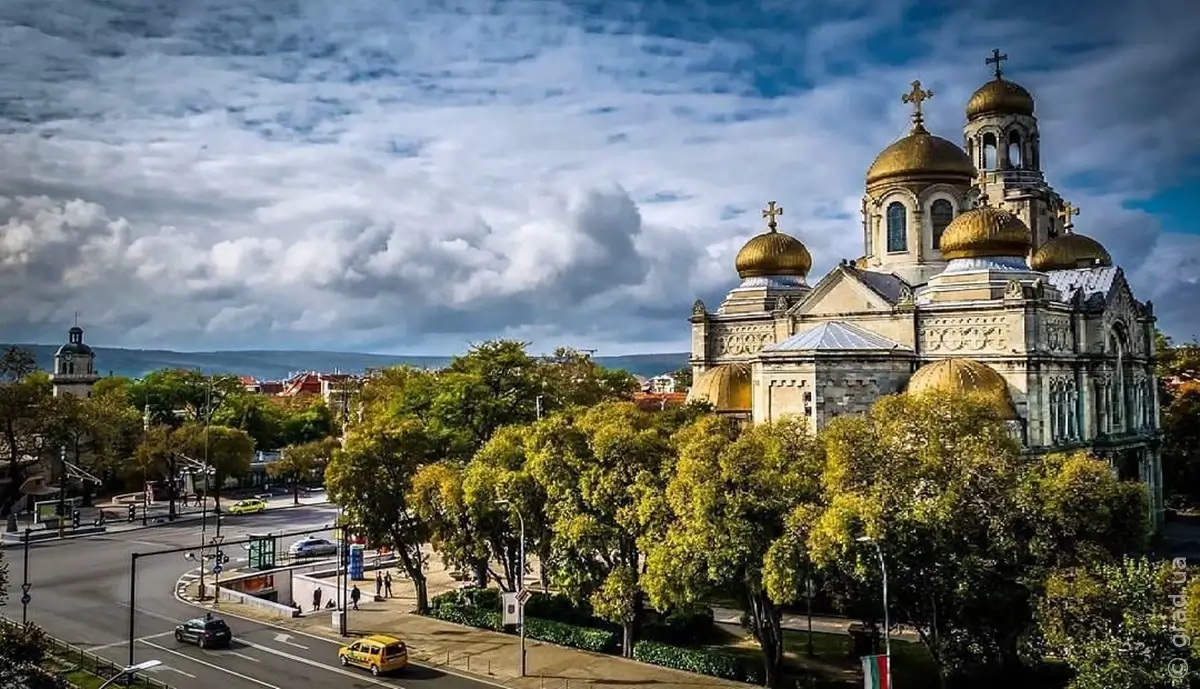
(985, 231)
(964, 377)
(726, 387)
(773, 253)
(921, 155)
(1070, 251)
(1000, 97)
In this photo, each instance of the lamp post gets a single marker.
(887, 637)
(62, 490)
(25, 585)
(520, 577)
(144, 665)
(340, 575)
(204, 477)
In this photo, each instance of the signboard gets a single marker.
(258, 585)
(511, 609)
(524, 595)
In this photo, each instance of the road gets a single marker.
(80, 591)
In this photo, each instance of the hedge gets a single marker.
(575, 636)
(698, 660)
(686, 627)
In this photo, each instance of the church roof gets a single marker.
(888, 285)
(1096, 282)
(834, 336)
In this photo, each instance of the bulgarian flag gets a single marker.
(875, 672)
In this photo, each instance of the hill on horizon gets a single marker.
(280, 364)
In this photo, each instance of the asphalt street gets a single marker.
(80, 594)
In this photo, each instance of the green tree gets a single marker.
(595, 470)
(156, 457)
(25, 408)
(307, 419)
(683, 379)
(438, 500)
(177, 396)
(1181, 445)
(968, 526)
(304, 461)
(228, 451)
(260, 416)
(1112, 622)
(729, 501)
(16, 363)
(571, 378)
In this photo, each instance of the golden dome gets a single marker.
(1070, 251)
(773, 253)
(921, 154)
(726, 387)
(985, 231)
(964, 377)
(1000, 97)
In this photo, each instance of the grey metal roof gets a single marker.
(834, 336)
(889, 286)
(1096, 282)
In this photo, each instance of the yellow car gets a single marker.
(377, 653)
(251, 506)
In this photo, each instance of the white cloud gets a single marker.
(369, 175)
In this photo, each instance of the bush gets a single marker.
(686, 627)
(698, 660)
(467, 615)
(560, 608)
(575, 636)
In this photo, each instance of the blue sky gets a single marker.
(409, 177)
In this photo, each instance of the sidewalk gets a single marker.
(481, 654)
(820, 623)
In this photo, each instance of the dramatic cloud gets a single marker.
(409, 177)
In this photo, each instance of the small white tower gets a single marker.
(74, 366)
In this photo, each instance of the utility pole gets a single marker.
(25, 585)
(62, 490)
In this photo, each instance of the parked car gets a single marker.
(205, 632)
(312, 546)
(377, 653)
(250, 506)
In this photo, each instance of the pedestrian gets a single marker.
(355, 594)
(378, 583)
(387, 584)
(316, 599)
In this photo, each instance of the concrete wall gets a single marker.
(302, 585)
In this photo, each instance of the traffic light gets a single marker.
(132, 512)
(75, 519)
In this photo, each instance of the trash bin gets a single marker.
(864, 641)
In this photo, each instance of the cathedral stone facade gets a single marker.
(972, 280)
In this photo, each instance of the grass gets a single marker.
(831, 664)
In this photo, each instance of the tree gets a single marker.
(229, 451)
(261, 417)
(157, 456)
(1181, 444)
(1112, 622)
(16, 363)
(573, 379)
(439, 502)
(595, 470)
(728, 501)
(371, 476)
(683, 379)
(176, 396)
(306, 419)
(306, 460)
(24, 410)
(968, 526)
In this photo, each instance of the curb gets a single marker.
(329, 639)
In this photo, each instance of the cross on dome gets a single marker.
(916, 96)
(770, 213)
(996, 58)
(1066, 213)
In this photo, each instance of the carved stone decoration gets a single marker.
(698, 308)
(1039, 289)
(906, 295)
(781, 304)
(1149, 309)
(741, 340)
(976, 333)
(1013, 290)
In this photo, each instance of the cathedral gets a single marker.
(972, 280)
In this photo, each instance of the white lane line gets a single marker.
(284, 639)
(168, 668)
(210, 665)
(336, 670)
(244, 656)
(114, 644)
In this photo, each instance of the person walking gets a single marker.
(387, 584)
(316, 599)
(378, 583)
(355, 594)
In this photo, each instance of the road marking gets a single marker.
(329, 668)
(114, 644)
(239, 675)
(168, 668)
(165, 618)
(243, 655)
(283, 639)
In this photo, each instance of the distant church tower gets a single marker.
(1001, 137)
(74, 366)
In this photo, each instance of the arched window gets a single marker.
(71, 368)
(896, 231)
(989, 151)
(1053, 410)
(1014, 149)
(940, 214)
(1072, 411)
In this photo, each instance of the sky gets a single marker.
(411, 177)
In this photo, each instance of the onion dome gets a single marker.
(985, 231)
(963, 376)
(726, 387)
(921, 155)
(1069, 250)
(999, 96)
(773, 252)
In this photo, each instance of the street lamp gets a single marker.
(887, 638)
(520, 580)
(130, 670)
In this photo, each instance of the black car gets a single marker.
(205, 632)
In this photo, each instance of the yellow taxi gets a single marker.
(377, 653)
(251, 506)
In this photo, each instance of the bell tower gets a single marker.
(1001, 136)
(74, 366)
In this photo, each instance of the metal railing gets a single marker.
(65, 659)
